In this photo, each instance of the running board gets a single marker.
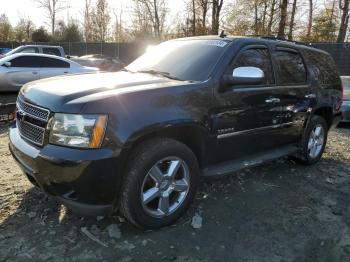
(244, 162)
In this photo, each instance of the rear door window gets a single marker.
(25, 61)
(51, 51)
(291, 68)
(256, 57)
(48, 62)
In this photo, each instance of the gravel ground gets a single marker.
(280, 211)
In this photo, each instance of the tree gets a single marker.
(155, 10)
(40, 35)
(283, 18)
(325, 27)
(194, 20)
(291, 23)
(23, 30)
(204, 7)
(51, 7)
(272, 14)
(100, 21)
(87, 21)
(309, 25)
(344, 7)
(70, 33)
(215, 22)
(5, 28)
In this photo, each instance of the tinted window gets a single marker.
(49, 62)
(51, 51)
(290, 67)
(25, 61)
(37, 61)
(258, 58)
(184, 59)
(323, 67)
(29, 50)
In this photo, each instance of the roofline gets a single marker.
(36, 54)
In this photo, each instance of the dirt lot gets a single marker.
(280, 211)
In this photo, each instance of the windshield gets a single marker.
(191, 60)
(13, 51)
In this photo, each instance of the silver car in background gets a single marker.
(21, 68)
(346, 103)
(37, 49)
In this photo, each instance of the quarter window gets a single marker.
(291, 67)
(256, 57)
(49, 62)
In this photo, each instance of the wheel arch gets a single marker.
(326, 112)
(193, 135)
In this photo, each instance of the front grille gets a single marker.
(31, 121)
(31, 132)
(32, 110)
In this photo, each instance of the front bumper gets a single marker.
(86, 181)
(345, 111)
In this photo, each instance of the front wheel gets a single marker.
(314, 141)
(159, 184)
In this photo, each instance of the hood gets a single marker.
(69, 93)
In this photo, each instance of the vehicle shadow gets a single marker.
(265, 213)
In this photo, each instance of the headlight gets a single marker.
(85, 131)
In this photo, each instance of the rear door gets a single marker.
(50, 66)
(247, 117)
(294, 92)
(23, 69)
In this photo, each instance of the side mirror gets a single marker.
(7, 64)
(246, 75)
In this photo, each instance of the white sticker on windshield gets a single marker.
(217, 43)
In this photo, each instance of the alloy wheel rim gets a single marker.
(316, 141)
(165, 187)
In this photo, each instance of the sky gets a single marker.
(16, 9)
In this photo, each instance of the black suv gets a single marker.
(138, 140)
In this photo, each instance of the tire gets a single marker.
(306, 156)
(149, 182)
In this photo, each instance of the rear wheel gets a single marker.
(313, 141)
(160, 183)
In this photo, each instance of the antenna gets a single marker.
(222, 34)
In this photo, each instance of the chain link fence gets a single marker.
(127, 52)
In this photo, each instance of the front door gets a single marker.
(23, 70)
(247, 117)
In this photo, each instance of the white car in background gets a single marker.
(21, 68)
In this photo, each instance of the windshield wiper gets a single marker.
(156, 72)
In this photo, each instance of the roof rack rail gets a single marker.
(272, 37)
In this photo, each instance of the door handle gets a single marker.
(35, 73)
(272, 100)
(310, 96)
(65, 72)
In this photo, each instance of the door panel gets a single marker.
(17, 77)
(50, 72)
(247, 118)
(292, 80)
(247, 123)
